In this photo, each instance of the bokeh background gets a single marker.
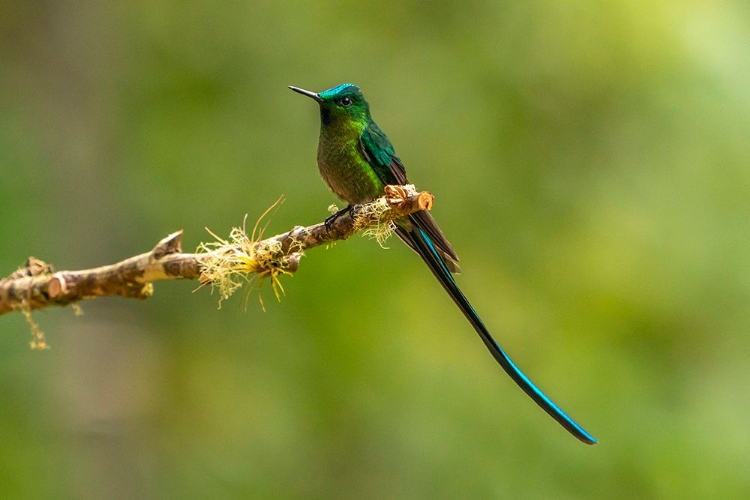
(590, 166)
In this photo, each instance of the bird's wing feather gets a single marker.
(379, 153)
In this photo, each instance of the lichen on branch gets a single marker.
(223, 264)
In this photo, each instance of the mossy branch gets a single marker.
(218, 263)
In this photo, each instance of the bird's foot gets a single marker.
(331, 219)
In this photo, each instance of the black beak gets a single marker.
(312, 95)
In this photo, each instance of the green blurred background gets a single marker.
(590, 166)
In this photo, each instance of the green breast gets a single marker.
(343, 166)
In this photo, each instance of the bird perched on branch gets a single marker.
(357, 161)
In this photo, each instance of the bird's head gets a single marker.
(340, 104)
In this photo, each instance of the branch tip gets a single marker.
(425, 200)
(56, 286)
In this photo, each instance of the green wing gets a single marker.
(381, 156)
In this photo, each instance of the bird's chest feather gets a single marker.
(345, 169)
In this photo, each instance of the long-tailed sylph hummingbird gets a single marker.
(357, 161)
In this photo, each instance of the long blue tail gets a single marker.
(419, 240)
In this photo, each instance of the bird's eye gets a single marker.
(345, 101)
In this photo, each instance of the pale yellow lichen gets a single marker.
(372, 220)
(228, 262)
(38, 340)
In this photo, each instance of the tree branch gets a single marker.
(219, 263)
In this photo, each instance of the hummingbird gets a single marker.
(357, 160)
